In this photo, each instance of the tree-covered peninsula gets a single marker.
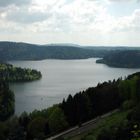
(9, 128)
(9, 73)
(122, 59)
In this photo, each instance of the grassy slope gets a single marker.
(107, 122)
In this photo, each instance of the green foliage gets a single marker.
(3, 131)
(104, 125)
(134, 115)
(56, 119)
(124, 90)
(89, 137)
(38, 113)
(120, 130)
(75, 110)
(40, 124)
(123, 129)
(24, 120)
(7, 101)
(129, 88)
(37, 128)
(106, 135)
(94, 101)
(11, 130)
(128, 104)
(9, 73)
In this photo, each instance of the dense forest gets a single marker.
(124, 125)
(6, 101)
(122, 59)
(129, 128)
(25, 51)
(77, 109)
(10, 73)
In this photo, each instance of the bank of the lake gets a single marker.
(60, 78)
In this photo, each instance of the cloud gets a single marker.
(129, 23)
(68, 16)
(73, 19)
(123, 1)
(26, 17)
(56, 15)
(4, 3)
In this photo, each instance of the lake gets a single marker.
(59, 79)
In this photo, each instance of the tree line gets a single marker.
(74, 110)
(128, 129)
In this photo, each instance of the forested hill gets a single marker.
(25, 51)
(123, 59)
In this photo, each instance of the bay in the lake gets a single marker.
(59, 79)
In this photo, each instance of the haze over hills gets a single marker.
(113, 48)
(26, 51)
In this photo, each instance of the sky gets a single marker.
(83, 22)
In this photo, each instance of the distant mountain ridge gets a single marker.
(26, 51)
(63, 44)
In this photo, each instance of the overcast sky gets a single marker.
(84, 22)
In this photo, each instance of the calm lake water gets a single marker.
(59, 79)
